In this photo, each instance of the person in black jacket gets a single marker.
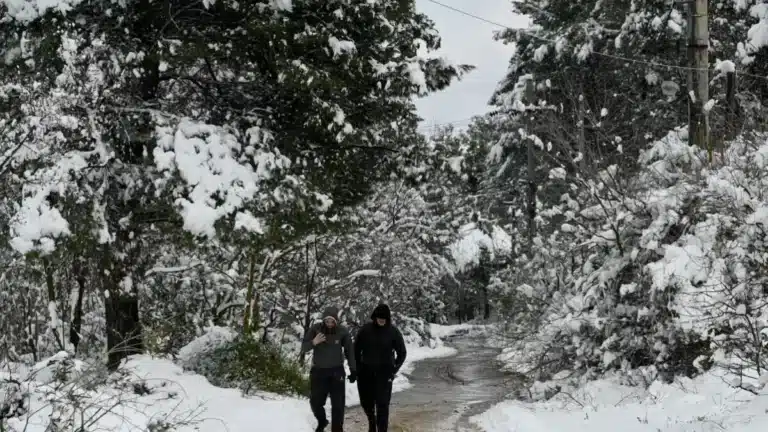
(379, 355)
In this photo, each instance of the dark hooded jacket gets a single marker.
(337, 345)
(380, 348)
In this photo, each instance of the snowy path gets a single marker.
(445, 391)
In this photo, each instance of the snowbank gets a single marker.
(218, 407)
(704, 404)
(443, 331)
(158, 392)
(493, 335)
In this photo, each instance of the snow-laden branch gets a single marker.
(177, 269)
(364, 273)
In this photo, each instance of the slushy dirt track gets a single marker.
(445, 392)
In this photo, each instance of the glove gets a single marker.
(352, 377)
(392, 377)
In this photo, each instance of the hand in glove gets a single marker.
(352, 377)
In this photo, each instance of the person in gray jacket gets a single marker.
(330, 343)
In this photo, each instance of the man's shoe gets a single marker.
(321, 426)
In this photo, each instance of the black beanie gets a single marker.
(382, 311)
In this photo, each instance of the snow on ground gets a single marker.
(158, 390)
(219, 407)
(444, 331)
(703, 404)
(492, 334)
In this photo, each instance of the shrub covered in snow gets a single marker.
(251, 366)
(214, 338)
(416, 332)
(62, 394)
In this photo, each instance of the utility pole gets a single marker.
(698, 74)
(530, 98)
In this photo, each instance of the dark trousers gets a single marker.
(324, 383)
(375, 389)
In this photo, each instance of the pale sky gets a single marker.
(468, 40)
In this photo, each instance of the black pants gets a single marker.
(375, 389)
(324, 383)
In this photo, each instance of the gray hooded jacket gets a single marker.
(337, 345)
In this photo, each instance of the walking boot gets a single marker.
(321, 426)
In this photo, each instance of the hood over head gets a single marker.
(332, 312)
(382, 311)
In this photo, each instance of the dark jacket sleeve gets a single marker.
(359, 344)
(400, 351)
(349, 352)
(306, 344)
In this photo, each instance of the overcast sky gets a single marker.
(468, 40)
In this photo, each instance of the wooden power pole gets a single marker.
(698, 74)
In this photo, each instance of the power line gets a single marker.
(612, 56)
(477, 17)
(535, 36)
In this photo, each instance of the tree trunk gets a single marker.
(121, 308)
(307, 317)
(731, 111)
(77, 312)
(530, 96)
(123, 328)
(249, 294)
(53, 309)
(484, 277)
(309, 291)
(486, 303)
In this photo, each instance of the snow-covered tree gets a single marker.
(615, 72)
(135, 128)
